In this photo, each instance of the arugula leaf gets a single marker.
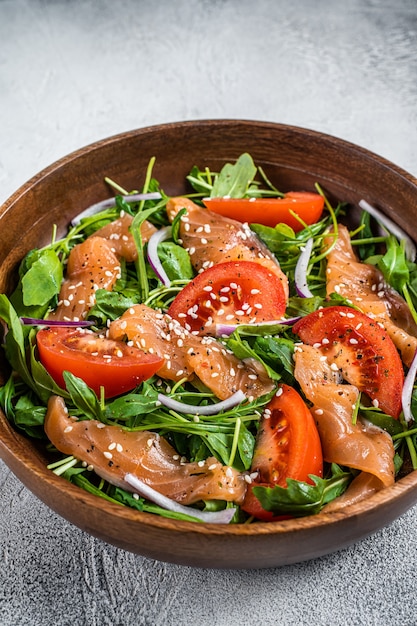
(386, 422)
(43, 383)
(111, 305)
(278, 353)
(299, 498)
(220, 445)
(243, 350)
(234, 180)
(30, 417)
(14, 341)
(43, 280)
(83, 397)
(278, 238)
(175, 261)
(393, 264)
(129, 407)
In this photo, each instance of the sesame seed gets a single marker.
(319, 411)
(112, 445)
(212, 466)
(108, 455)
(68, 429)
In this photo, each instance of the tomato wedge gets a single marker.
(271, 211)
(361, 349)
(234, 292)
(287, 446)
(99, 362)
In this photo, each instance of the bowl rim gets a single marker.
(9, 450)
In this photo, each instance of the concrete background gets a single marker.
(75, 71)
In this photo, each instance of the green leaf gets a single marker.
(234, 180)
(43, 280)
(386, 422)
(111, 304)
(44, 384)
(300, 498)
(30, 417)
(242, 350)
(83, 397)
(278, 353)
(130, 406)
(393, 264)
(278, 237)
(14, 342)
(175, 261)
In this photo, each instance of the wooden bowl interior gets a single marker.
(292, 158)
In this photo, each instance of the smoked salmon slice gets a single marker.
(119, 234)
(358, 445)
(91, 265)
(211, 238)
(364, 285)
(187, 355)
(95, 264)
(113, 452)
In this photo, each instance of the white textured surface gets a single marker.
(75, 71)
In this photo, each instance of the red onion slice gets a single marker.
(34, 321)
(410, 248)
(211, 517)
(161, 235)
(210, 409)
(300, 274)
(109, 202)
(408, 390)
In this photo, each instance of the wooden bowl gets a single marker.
(293, 158)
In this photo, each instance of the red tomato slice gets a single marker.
(361, 349)
(234, 292)
(99, 362)
(287, 446)
(271, 211)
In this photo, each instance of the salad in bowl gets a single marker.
(238, 354)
